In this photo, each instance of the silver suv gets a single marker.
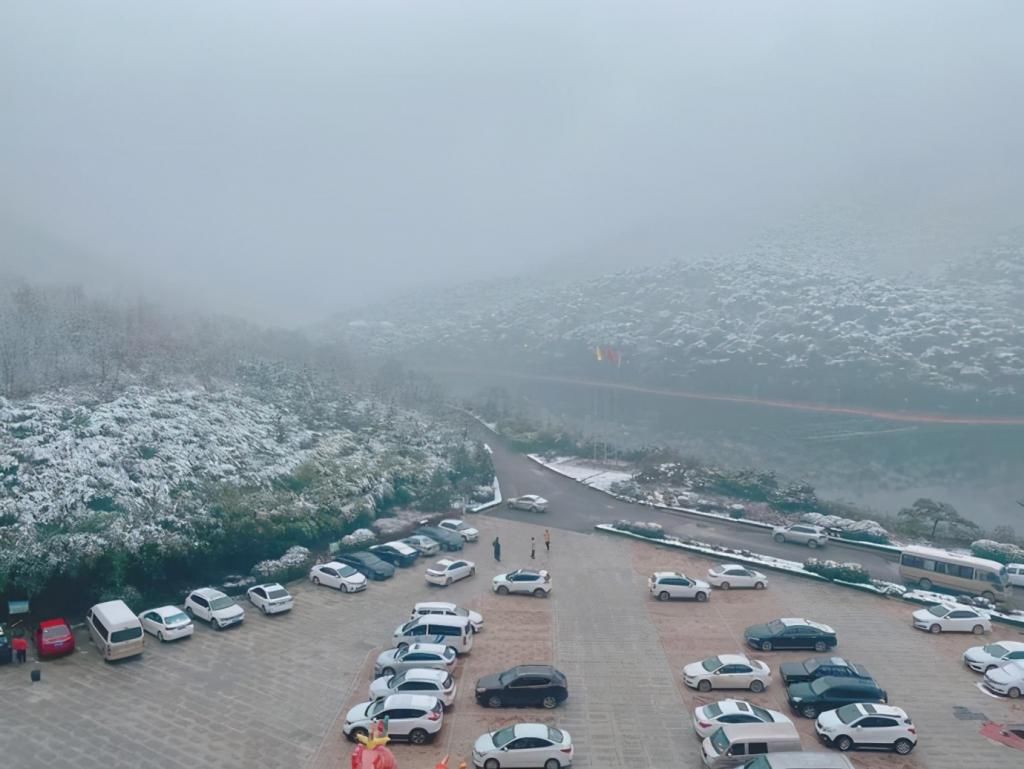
(802, 534)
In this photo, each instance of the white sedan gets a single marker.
(446, 571)
(167, 623)
(463, 529)
(730, 575)
(531, 502)
(982, 659)
(707, 718)
(1007, 680)
(424, 544)
(270, 598)
(436, 683)
(727, 671)
(952, 618)
(338, 575)
(523, 745)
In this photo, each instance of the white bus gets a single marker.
(929, 567)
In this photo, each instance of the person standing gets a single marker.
(547, 540)
(496, 544)
(20, 646)
(533, 548)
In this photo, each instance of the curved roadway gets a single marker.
(577, 507)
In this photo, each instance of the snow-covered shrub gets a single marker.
(358, 539)
(997, 551)
(737, 511)
(628, 489)
(859, 531)
(291, 565)
(481, 494)
(847, 572)
(643, 528)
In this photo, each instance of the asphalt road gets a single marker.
(577, 507)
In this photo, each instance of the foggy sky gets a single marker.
(287, 160)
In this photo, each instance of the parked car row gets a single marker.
(1003, 666)
(666, 585)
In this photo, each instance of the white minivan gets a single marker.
(735, 744)
(115, 630)
(456, 632)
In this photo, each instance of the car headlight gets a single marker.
(796, 699)
(480, 691)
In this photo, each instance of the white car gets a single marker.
(423, 608)
(413, 717)
(531, 502)
(728, 671)
(523, 745)
(423, 543)
(867, 726)
(672, 584)
(1008, 679)
(270, 598)
(529, 581)
(952, 618)
(463, 529)
(338, 575)
(1015, 574)
(391, 661)
(982, 659)
(430, 681)
(214, 607)
(802, 534)
(730, 575)
(446, 571)
(707, 718)
(167, 623)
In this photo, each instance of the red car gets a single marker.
(54, 638)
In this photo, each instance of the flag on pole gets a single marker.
(599, 353)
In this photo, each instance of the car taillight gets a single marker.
(567, 750)
(911, 730)
(433, 715)
(704, 725)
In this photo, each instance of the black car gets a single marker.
(817, 667)
(368, 564)
(394, 555)
(831, 692)
(791, 633)
(536, 685)
(448, 540)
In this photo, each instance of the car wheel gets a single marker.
(766, 646)
(188, 611)
(935, 629)
(903, 746)
(358, 732)
(663, 595)
(159, 635)
(316, 580)
(492, 763)
(757, 686)
(925, 584)
(702, 597)
(988, 595)
(978, 630)
(809, 711)
(472, 572)
(539, 593)
(1014, 693)
(759, 586)
(510, 505)
(780, 538)
(725, 586)
(343, 587)
(820, 646)
(991, 667)
(215, 624)
(704, 686)
(552, 763)
(388, 672)
(447, 581)
(502, 590)
(418, 737)
(549, 702)
(494, 701)
(844, 743)
(534, 509)
(264, 610)
(813, 544)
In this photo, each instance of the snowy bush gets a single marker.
(860, 531)
(358, 539)
(644, 529)
(846, 572)
(997, 551)
(291, 565)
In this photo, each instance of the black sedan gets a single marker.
(368, 564)
(448, 540)
(523, 685)
(396, 553)
(791, 633)
(830, 693)
(817, 667)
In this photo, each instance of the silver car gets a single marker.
(425, 655)
(424, 544)
(531, 502)
(801, 534)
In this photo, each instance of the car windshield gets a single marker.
(174, 619)
(775, 627)
(376, 707)
(720, 741)
(811, 665)
(55, 633)
(224, 602)
(847, 713)
(758, 763)
(278, 593)
(346, 571)
(128, 634)
(713, 710)
(397, 680)
(439, 566)
(938, 610)
(762, 714)
(554, 735)
(460, 525)
(711, 663)
(819, 685)
(504, 736)
(995, 650)
(460, 612)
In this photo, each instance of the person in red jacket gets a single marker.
(20, 646)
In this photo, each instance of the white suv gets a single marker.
(463, 529)
(415, 717)
(802, 534)
(672, 584)
(270, 598)
(214, 607)
(867, 726)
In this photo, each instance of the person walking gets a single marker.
(496, 544)
(547, 540)
(20, 646)
(533, 548)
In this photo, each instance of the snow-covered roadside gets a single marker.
(494, 502)
(877, 587)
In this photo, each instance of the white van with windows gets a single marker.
(456, 632)
(735, 744)
(444, 608)
(115, 630)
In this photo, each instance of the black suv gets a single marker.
(817, 667)
(448, 540)
(536, 685)
(368, 564)
(394, 556)
(831, 692)
(791, 633)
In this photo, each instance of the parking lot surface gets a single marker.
(274, 692)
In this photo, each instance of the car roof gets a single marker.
(423, 701)
(1009, 645)
(734, 659)
(663, 574)
(445, 561)
(426, 674)
(870, 708)
(400, 545)
(808, 760)
(165, 611)
(456, 521)
(208, 592)
(531, 730)
(547, 670)
(428, 647)
(734, 706)
(332, 564)
(756, 730)
(800, 621)
(425, 605)
(867, 683)
(535, 572)
(268, 586)
(57, 623)
(731, 566)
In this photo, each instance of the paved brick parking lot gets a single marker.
(272, 692)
